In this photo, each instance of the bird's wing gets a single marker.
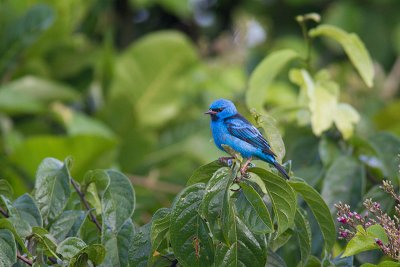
(241, 128)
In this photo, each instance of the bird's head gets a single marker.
(221, 109)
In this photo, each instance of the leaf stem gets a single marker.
(24, 259)
(85, 203)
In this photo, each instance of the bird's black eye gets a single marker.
(217, 109)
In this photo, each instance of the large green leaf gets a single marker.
(95, 253)
(117, 244)
(7, 225)
(387, 145)
(264, 74)
(52, 188)
(160, 224)
(344, 181)
(365, 240)
(33, 91)
(140, 246)
(189, 234)
(149, 75)
(282, 197)
(274, 260)
(353, 47)
(22, 227)
(252, 211)
(211, 206)
(63, 224)
(319, 209)
(247, 248)
(28, 210)
(303, 234)
(70, 246)
(6, 189)
(204, 173)
(118, 201)
(8, 248)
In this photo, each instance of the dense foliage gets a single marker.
(123, 84)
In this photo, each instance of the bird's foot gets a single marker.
(228, 161)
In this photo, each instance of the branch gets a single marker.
(85, 203)
(24, 259)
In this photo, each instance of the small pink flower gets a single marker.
(378, 242)
(342, 220)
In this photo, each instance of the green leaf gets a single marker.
(319, 209)
(189, 234)
(140, 246)
(212, 204)
(7, 225)
(159, 227)
(28, 210)
(264, 74)
(88, 231)
(63, 224)
(154, 77)
(22, 227)
(248, 249)
(343, 180)
(364, 240)
(31, 94)
(52, 187)
(252, 211)
(345, 119)
(118, 201)
(282, 197)
(95, 253)
(6, 189)
(204, 173)
(387, 145)
(46, 242)
(8, 248)
(117, 244)
(353, 47)
(382, 264)
(274, 260)
(23, 32)
(70, 247)
(303, 234)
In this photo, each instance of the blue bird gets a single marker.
(230, 128)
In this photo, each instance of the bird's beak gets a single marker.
(210, 112)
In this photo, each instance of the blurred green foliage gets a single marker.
(123, 84)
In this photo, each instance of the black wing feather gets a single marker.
(241, 128)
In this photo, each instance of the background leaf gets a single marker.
(264, 74)
(353, 47)
(52, 187)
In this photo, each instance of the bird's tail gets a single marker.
(281, 169)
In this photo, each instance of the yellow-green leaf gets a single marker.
(353, 47)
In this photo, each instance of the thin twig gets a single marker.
(85, 203)
(24, 259)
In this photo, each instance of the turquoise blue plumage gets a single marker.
(230, 128)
